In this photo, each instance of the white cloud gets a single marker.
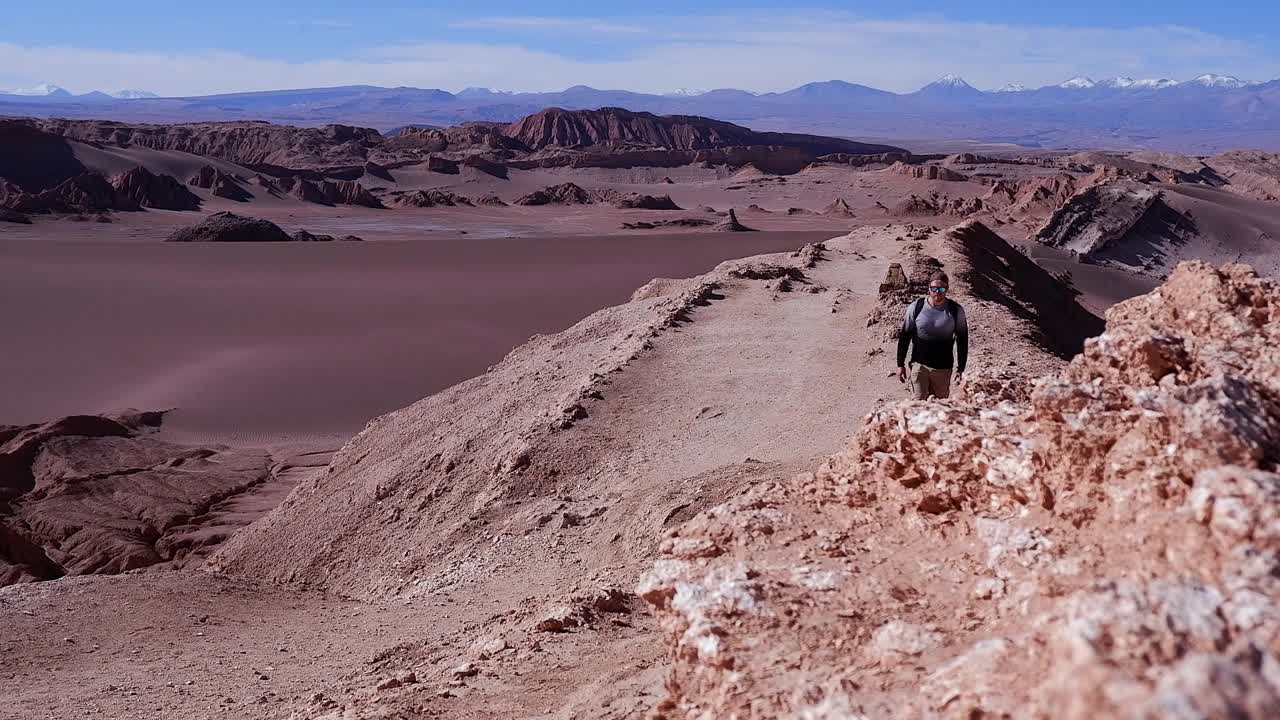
(754, 52)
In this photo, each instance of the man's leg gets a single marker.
(940, 383)
(920, 383)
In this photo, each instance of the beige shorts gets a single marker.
(927, 382)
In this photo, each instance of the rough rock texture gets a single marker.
(563, 194)
(146, 189)
(221, 184)
(646, 202)
(87, 192)
(244, 143)
(1251, 173)
(427, 198)
(98, 495)
(1103, 542)
(439, 164)
(1122, 220)
(229, 227)
(611, 125)
(328, 192)
(935, 205)
(927, 172)
(491, 200)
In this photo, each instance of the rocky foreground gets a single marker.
(616, 520)
(1100, 542)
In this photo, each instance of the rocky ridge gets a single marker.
(1099, 542)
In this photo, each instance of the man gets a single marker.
(932, 326)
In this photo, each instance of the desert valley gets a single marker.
(592, 413)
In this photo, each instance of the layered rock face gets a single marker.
(244, 143)
(585, 128)
(1102, 542)
(220, 183)
(145, 189)
(927, 172)
(92, 495)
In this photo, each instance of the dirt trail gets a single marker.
(523, 604)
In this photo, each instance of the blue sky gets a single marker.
(899, 45)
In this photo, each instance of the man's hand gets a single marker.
(902, 374)
(959, 379)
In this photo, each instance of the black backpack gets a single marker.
(952, 308)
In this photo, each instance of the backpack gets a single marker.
(952, 308)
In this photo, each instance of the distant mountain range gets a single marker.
(1206, 114)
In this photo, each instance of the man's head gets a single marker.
(938, 286)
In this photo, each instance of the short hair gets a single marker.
(939, 277)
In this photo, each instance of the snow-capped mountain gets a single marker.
(1126, 83)
(133, 94)
(41, 90)
(1078, 83)
(686, 92)
(1011, 87)
(1217, 81)
(948, 86)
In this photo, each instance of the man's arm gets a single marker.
(904, 337)
(962, 341)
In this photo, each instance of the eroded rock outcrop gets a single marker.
(1102, 542)
(1123, 221)
(229, 227)
(730, 224)
(222, 184)
(92, 494)
(328, 192)
(428, 198)
(146, 189)
(563, 194)
(927, 172)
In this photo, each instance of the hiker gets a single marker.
(931, 326)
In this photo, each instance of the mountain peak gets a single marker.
(42, 90)
(1078, 83)
(133, 94)
(1010, 87)
(1218, 81)
(948, 84)
(686, 92)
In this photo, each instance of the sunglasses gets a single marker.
(937, 289)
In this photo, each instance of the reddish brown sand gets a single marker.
(261, 343)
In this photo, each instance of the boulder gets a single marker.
(229, 227)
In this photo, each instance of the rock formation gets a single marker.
(730, 224)
(328, 192)
(611, 125)
(439, 164)
(222, 184)
(927, 172)
(229, 227)
(638, 201)
(491, 200)
(304, 236)
(145, 189)
(1098, 544)
(99, 495)
(563, 194)
(428, 198)
(1124, 221)
(839, 208)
